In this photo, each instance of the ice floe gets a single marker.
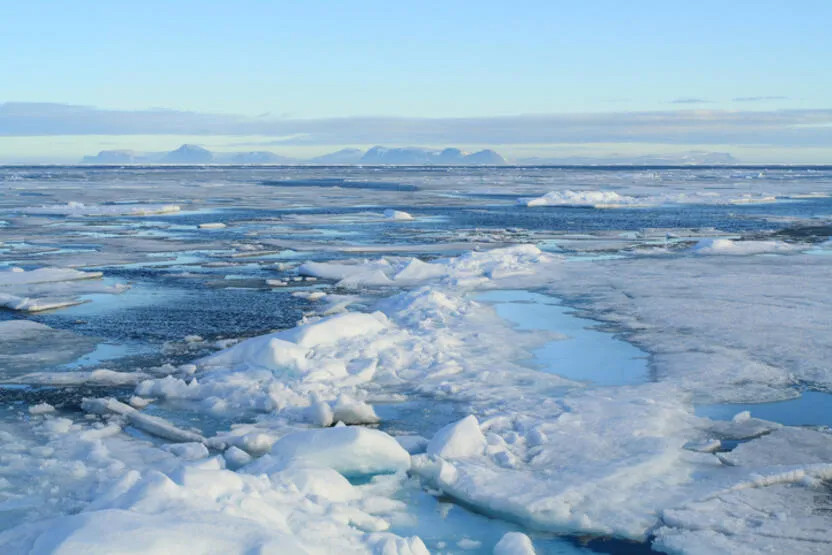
(594, 199)
(399, 215)
(74, 208)
(731, 247)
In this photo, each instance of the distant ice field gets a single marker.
(411, 360)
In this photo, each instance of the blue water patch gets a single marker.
(587, 354)
(812, 408)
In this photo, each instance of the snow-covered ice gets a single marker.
(415, 371)
(595, 199)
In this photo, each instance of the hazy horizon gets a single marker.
(303, 80)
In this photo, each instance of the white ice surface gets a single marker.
(400, 215)
(349, 450)
(49, 288)
(553, 454)
(74, 208)
(19, 276)
(597, 199)
(514, 543)
(726, 328)
(728, 246)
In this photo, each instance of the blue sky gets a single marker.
(290, 61)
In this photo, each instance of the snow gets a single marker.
(725, 328)
(635, 194)
(74, 208)
(472, 269)
(457, 440)
(145, 422)
(398, 215)
(728, 246)
(352, 411)
(787, 514)
(19, 276)
(211, 509)
(41, 408)
(593, 199)
(415, 351)
(190, 451)
(514, 543)
(349, 450)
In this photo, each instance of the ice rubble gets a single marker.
(729, 246)
(568, 464)
(74, 208)
(593, 199)
(48, 288)
(537, 449)
(642, 197)
(91, 488)
(472, 269)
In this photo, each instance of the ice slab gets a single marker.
(593, 199)
(74, 208)
(27, 346)
(349, 450)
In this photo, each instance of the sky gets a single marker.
(528, 78)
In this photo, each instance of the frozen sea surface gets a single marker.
(611, 360)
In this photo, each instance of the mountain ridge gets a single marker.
(377, 155)
(188, 154)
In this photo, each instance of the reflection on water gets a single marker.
(586, 354)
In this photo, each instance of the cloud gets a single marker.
(758, 98)
(690, 101)
(774, 127)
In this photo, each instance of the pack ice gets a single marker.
(540, 450)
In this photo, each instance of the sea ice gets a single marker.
(595, 199)
(728, 246)
(514, 543)
(400, 215)
(74, 208)
(349, 450)
(460, 439)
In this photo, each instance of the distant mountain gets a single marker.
(378, 155)
(343, 156)
(256, 157)
(413, 156)
(113, 157)
(485, 157)
(692, 158)
(188, 154)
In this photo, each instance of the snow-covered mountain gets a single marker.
(418, 156)
(378, 155)
(115, 157)
(188, 154)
